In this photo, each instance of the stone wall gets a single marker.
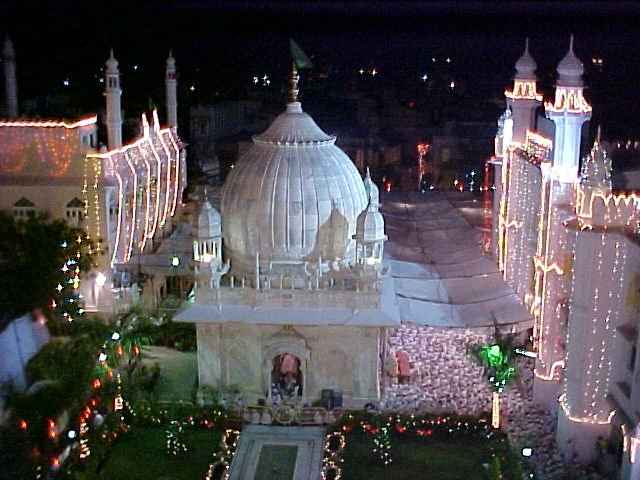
(342, 358)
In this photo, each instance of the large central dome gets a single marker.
(293, 196)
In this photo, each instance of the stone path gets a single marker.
(446, 379)
(309, 442)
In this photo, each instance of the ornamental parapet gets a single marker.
(275, 297)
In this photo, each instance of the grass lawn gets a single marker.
(141, 455)
(178, 372)
(416, 457)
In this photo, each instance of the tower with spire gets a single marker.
(10, 81)
(524, 100)
(113, 92)
(171, 84)
(569, 111)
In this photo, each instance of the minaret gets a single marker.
(10, 82)
(568, 111)
(524, 99)
(113, 92)
(172, 97)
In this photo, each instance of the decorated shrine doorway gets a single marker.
(287, 379)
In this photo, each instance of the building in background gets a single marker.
(567, 243)
(126, 198)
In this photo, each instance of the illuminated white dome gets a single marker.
(293, 196)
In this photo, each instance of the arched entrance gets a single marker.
(287, 379)
(290, 346)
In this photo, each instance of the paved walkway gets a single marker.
(259, 443)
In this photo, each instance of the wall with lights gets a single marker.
(149, 177)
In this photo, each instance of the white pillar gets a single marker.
(171, 88)
(113, 93)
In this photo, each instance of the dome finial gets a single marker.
(598, 134)
(571, 43)
(293, 84)
(368, 174)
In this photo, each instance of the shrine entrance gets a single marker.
(287, 379)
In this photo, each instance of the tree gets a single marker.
(497, 359)
(42, 262)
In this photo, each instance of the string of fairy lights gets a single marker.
(146, 170)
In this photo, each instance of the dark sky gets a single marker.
(221, 44)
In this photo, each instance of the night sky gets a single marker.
(219, 46)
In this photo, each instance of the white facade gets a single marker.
(568, 245)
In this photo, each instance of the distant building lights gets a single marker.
(374, 72)
(425, 77)
(361, 71)
(175, 261)
(192, 88)
(135, 67)
(433, 59)
(452, 85)
(448, 60)
(527, 452)
(66, 82)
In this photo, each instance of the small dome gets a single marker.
(526, 65)
(570, 68)
(171, 62)
(370, 226)
(111, 63)
(209, 223)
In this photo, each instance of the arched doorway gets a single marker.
(287, 379)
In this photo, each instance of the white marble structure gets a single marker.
(568, 245)
(294, 213)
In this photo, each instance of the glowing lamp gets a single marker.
(527, 452)
(72, 434)
(100, 279)
(115, 336)
(175, 261)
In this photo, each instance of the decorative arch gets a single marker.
(285, 341)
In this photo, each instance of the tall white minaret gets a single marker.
(113, 92)
(10, 82)
(172, 98)
(569, 111)
(524, 99)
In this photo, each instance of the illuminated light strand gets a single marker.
(51, 123)
(120, 213)
(568, 99)
(541, 264)
(587, 419)
(146, 235)
(177, 176)
(558, 364)
(134, 202)
(166, 199)
(156, 213)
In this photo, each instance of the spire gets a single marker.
(373, 193)
(596, 166)
(293, 84)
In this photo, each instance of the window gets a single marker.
(23, 209)
(75, 212)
